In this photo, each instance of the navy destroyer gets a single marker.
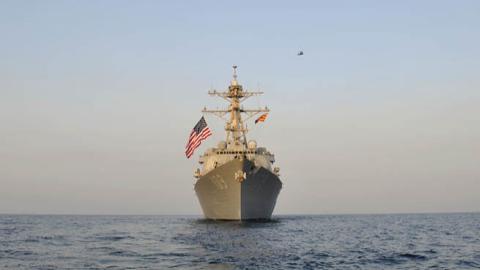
(237, 180)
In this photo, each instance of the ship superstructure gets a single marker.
(237, 180)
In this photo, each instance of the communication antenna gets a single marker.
(235, 95)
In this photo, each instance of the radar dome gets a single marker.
(252, 144)
(222, 145)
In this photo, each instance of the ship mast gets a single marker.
(234, 127)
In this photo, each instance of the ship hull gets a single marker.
(238, 190)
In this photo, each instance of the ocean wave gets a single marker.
(291, 242)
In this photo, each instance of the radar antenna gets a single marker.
(235, 95)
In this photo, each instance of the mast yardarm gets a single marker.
(235, 128)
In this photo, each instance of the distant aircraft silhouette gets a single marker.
(300, 53)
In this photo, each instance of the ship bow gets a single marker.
(238, 190)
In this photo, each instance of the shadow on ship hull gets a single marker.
(238, 190)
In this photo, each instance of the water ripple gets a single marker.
(440, 241)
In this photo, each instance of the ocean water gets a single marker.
(406, 241)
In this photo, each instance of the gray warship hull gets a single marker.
(238, 190)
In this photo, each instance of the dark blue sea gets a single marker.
(404, 241)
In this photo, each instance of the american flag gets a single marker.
(199, 133)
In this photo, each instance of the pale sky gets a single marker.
(381, 114)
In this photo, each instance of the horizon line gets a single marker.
(274, 215)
